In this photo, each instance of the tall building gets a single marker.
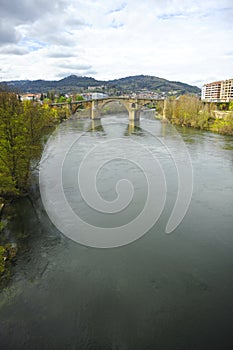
(218, 91)
(226, 93)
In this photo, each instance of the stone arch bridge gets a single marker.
(133, 105)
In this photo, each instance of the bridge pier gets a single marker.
(134, 114)
(70, 108)
(165, 109)
(95, 112)
(133, 126)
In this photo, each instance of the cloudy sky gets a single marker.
(182, 40)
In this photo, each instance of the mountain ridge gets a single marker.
(74, 83)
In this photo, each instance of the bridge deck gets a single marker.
(114, 98)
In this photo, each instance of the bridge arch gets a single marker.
(105, 102)
(74, 107)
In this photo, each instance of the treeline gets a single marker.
(190, 111)
(51, 96)
(22, 127)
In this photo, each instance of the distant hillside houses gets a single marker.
(218, 91)
(93, 95)
(98, 87)
(30, 97)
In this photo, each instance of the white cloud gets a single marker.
(188, 41)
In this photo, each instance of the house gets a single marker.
(28, 97)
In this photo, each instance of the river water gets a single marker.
(162, 291)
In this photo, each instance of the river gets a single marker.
(157, 291)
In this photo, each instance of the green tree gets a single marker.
(79, 98)
(21, 130)
(51, 95)
(61, 99)
(231, 106)
(11, 130)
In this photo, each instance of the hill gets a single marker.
(68, 84)
(129, 84)
(141, 82)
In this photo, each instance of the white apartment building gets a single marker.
(218, 91)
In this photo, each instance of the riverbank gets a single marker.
(189, 111)
(2, 247)
(8, 250)
(221, 126)
(15, 235)
(24, 129)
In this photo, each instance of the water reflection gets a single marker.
(96, 126)
(133, 128)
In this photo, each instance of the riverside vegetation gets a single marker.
(23, 128)
(189, 111)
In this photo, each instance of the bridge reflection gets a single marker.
(132, 128)
(96, 126)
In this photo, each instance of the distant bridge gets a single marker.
(133, 105)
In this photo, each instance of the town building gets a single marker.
(226, 93)
(29, 97)
(93, 95)
(218, 91)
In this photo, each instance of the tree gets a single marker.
(61, 99)
(11, 130)
(21, 128)
(51, 95)
(79, 98)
